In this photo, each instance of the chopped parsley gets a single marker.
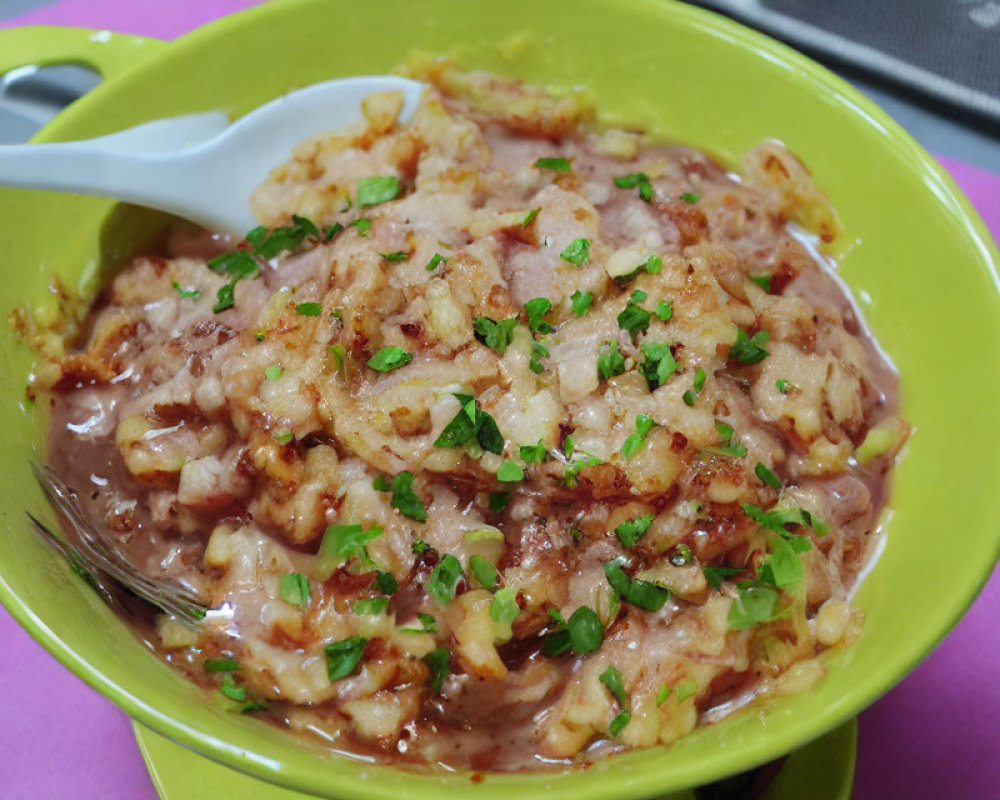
(577, 252)
(654, 264)
(753, 605)
(395, 256)
(610, 361)
(658, 366)
(378, 189)
(220, 665)
(343, 657)
(730, 444)
(342, 542)
(638, 180)
(438, 661)
(530, 217)
(267, 244)
(471, 423)
(538, 350)
(767, 476)
(238, 265)
(498, 501)
(749, 349)
(556, 164)
(716, 575)
(699, 383)
(534, 453)
(386, 582)
(631, 531)
(633, 444)
(294, 589)
(763, 281)
(436, 259)
(485, 573)
(581, 302)
(308, 309)
(405, 499)
(634, 318)
(273, 371)
(495, 335)
(664, 311)
(576, 460)
(194, 294)
(644, 594)
(444, 579)
(390, 358)
(536, 309)
(510, 472)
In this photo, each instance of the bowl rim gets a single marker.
(950, 198)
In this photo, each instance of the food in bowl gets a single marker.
(505, 441)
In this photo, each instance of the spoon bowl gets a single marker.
(201, 167)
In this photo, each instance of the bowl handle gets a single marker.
(111, 54)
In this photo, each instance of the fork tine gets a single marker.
(97, 552)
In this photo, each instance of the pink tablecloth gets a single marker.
(936, 735)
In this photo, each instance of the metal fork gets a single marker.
(96, 559)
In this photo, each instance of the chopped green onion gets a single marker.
(386, 582)
(396, 256)
(192, 293)
(612, 679)
(659, 364)
(633, 319)
(370, 605)
(699, 383)
(730, 444)
(283, 436)
(534, 453)
(220, 665)
(342, 542)
(662, 694)
(470, 423)
(638, 180)
(763, 281)
(530, 217)
(654, 264)
(682, 555)
(485, 572)
(664, 311)
(363, 224)
(381, 483)
(436, 259)
(273, 371)
(684, 689)
(538, 350)
(784, 386)
(716, 575)
(753, 605)
(689, 197)
(643, 425)
(232, 690)
(427, 625)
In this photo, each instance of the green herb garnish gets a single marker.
(495, 335)
(308, 309)
(436, 259)
(730, 444)
(699, 383)
(631, 531)
(363, 224)
(763, 281)
(536, 309)
(220, 665)
(634, 318)
(638, 180)
(405, 499)
(343, 657)
(377, 189)
(644, 594)
(273, 371)
(534, 453)
(283, 436)
(470, 423)
(577, 252)
(370, 605)
(485, 573)
(510, 472)
(294, 589)
(753, 605)
(557, 164)
(444, 579)
(610, 361)
(386, 582)
(342, 542)
(396, 256)
(716, 575)
(194, 294)
(438, 661)
(749, 349)
(581, 302)
(689, 197)
(654, 264)
(390, 358)
(643, 425)
(530, 217)
(658, 366)
(767, 476)
(498, 501)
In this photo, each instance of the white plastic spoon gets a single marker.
(199, 167)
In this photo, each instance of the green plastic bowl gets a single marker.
(915, 254)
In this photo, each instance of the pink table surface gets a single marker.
(936, 735)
